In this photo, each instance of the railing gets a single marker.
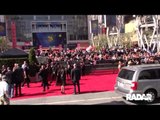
(102, 64)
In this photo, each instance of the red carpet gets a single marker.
(97, 81)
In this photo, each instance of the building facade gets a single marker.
(48, 30)
(98, 24)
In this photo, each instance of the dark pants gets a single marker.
(68, 74)
(26, 80)
(53, 77)
(18, 89)
(78, 85)
(49, 78)
(58, 80)
(45, 84)
(11, 90)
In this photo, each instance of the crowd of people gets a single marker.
(68, 64)
(18, 76)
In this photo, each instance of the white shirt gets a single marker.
(24, 65)
(3, 87)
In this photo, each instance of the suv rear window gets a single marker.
(126, 74)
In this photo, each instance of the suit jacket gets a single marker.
(18, 75)
(9, 75)
(44, 74)
(75, 74)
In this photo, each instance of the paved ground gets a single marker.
(101, 98)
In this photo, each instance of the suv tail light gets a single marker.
(134, 86)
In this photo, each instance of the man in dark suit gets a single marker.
(76, 76)
(9, 78)
(44, 74)
(18, 78)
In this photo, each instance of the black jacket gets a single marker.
(18, 75)
(75, 74)
(9, 76)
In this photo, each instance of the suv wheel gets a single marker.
(153, 95)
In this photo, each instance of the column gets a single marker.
(13, 33)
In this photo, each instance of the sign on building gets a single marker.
(94, 26)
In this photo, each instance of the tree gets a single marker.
(3, 43)
(32, 57)
(100, 41)
(125, 39)
(104, 41)
(32, 60)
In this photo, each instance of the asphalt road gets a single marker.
(101, 98)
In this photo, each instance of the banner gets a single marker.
(13, 33)
(94, 26)
(49, 39)
(2, 29)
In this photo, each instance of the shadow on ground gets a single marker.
(93, 91)
(113, 103)
(125, 102)
(103, 73)
(156, 102)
